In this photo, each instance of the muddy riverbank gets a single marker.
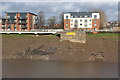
(54, 49)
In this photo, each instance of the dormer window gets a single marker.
(95, 16)
(66, 17)
(85, 15)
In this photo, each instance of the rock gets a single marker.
(83, 50)
(74, 49)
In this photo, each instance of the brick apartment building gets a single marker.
(18, 21)
(82, 20)
(2, 23)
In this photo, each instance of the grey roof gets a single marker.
(20, 12)
(78, 14)
(82, 14)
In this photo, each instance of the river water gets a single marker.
(58, 69)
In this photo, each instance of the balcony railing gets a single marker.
(11, 22)
(23, 22)
(22, 17)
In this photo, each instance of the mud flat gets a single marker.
(54, 49)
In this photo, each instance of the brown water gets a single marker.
(57, 69)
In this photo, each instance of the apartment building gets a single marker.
(82, 20)
(2, 23)
(18, 21)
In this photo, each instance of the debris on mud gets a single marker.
(97, 56)
(36, 53)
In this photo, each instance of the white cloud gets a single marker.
(60, 0)
(54, 8)
(77, 10)
(69, 6)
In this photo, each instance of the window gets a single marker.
(90, 20)
(71, 20)
(95, 21)
(76, 25)
(80, 20)
(66, 17)
(75, 16)
(90, 24)
(66, 21)
(76, 21)
(85, 21)
(85, 25)
(80, 24)
(66, 25)
(95, 16)
(95, 25)
(71, 24)
(85, 15)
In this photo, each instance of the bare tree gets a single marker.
(103, 18)
(118, 23)
(51, 22)
(61, 20)
(41, 19)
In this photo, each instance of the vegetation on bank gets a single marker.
(103, 35)
(27, 35)
(108, 35)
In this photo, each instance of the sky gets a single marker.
(54, 8)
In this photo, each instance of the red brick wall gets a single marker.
(28, 21)
(97, 22)
(12, 27)
(66, 23)
(1, 25)
(17, 21)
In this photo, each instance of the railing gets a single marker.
(57, 30)
(35, 30)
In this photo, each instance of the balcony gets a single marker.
(24, 27)
(23, 22)
(22, 18)
(11, 17)
(11, 22)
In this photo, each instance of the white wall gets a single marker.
(67, 14)
(98, 15)
(83, 22)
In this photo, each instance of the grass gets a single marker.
(28, 35)
(109, 35)
(14, 35)
(103, 35)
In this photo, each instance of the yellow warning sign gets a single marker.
(70, 33)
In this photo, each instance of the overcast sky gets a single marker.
(55, 8)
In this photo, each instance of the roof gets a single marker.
(21, 12)
(81, 13)
(78, 14)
